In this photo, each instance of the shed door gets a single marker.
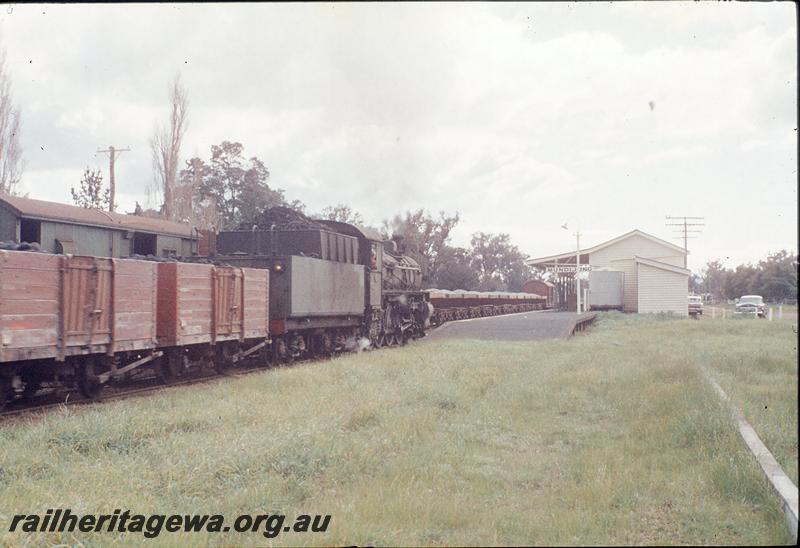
(228, 300)
(86, 301)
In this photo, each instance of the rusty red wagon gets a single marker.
(86, 319)
(211, 313)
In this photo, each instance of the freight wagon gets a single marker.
(460, 305)
(85, 321)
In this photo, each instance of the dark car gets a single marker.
(751, 305)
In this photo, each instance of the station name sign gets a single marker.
(569, 268)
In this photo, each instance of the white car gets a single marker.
(695, 305)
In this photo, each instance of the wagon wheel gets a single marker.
(379, 341)
(88, 382)
(313, 346)
(326, 345)
(223, 359)
(6, 392)
(402, 338)
(32, 384)
(316, 347)
(281, 351)
(168, 368)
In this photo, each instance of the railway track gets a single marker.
(142, 387)
(73, 398)
(150, 385)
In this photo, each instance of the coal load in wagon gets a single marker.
(282, 218)
(24, 246)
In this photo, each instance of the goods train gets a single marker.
(285, 288)
(461, 305)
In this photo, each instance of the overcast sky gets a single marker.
(521, 117)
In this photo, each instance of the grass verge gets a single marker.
(755, 362)
(610, 438)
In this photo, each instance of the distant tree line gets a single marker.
(490, 263)
(774, 278)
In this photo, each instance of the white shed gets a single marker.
(654, 275)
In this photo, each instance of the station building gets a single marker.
(62, 228)
(635, 272)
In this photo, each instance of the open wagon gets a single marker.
(75, 319)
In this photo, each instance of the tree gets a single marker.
(499, 264)
(776, 279)
(695, 284)
(740, 281)
(11, 164)
(91, 193)
(236, 187)
(343, 214)
(454, 270)
(422, 237)
(190, 204)
(166, 147)
(713, 278)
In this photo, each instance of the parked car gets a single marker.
(695, 305)
(751, 305)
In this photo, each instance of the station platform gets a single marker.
(523, 326)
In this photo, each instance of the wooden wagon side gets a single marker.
(57, 306)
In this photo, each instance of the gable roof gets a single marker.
(44, 210)
(662, 265)
(604, 245)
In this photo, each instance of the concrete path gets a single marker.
(524, 326)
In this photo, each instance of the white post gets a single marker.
(769, 313)
(577, 272)
(780, 311)
(713, 312)
(723, 313)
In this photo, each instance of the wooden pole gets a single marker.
(112, 186)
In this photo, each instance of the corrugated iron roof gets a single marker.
(41, 209)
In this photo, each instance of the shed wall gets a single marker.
(88, 240)
(662, 291)
(8, 224)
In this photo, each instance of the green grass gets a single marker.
(755, 362)
(612, 437)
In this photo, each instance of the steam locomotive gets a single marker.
(333, 285)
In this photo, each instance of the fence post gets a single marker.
(769, 314)
(713, 312)
(723, 313)
(780, 311)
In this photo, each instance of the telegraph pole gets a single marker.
(112, 156)
(684, 224)
(577, 274)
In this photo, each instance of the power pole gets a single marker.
(577, 274)
(684, 224)
(112, 156)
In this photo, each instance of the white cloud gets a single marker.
(481, 108)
